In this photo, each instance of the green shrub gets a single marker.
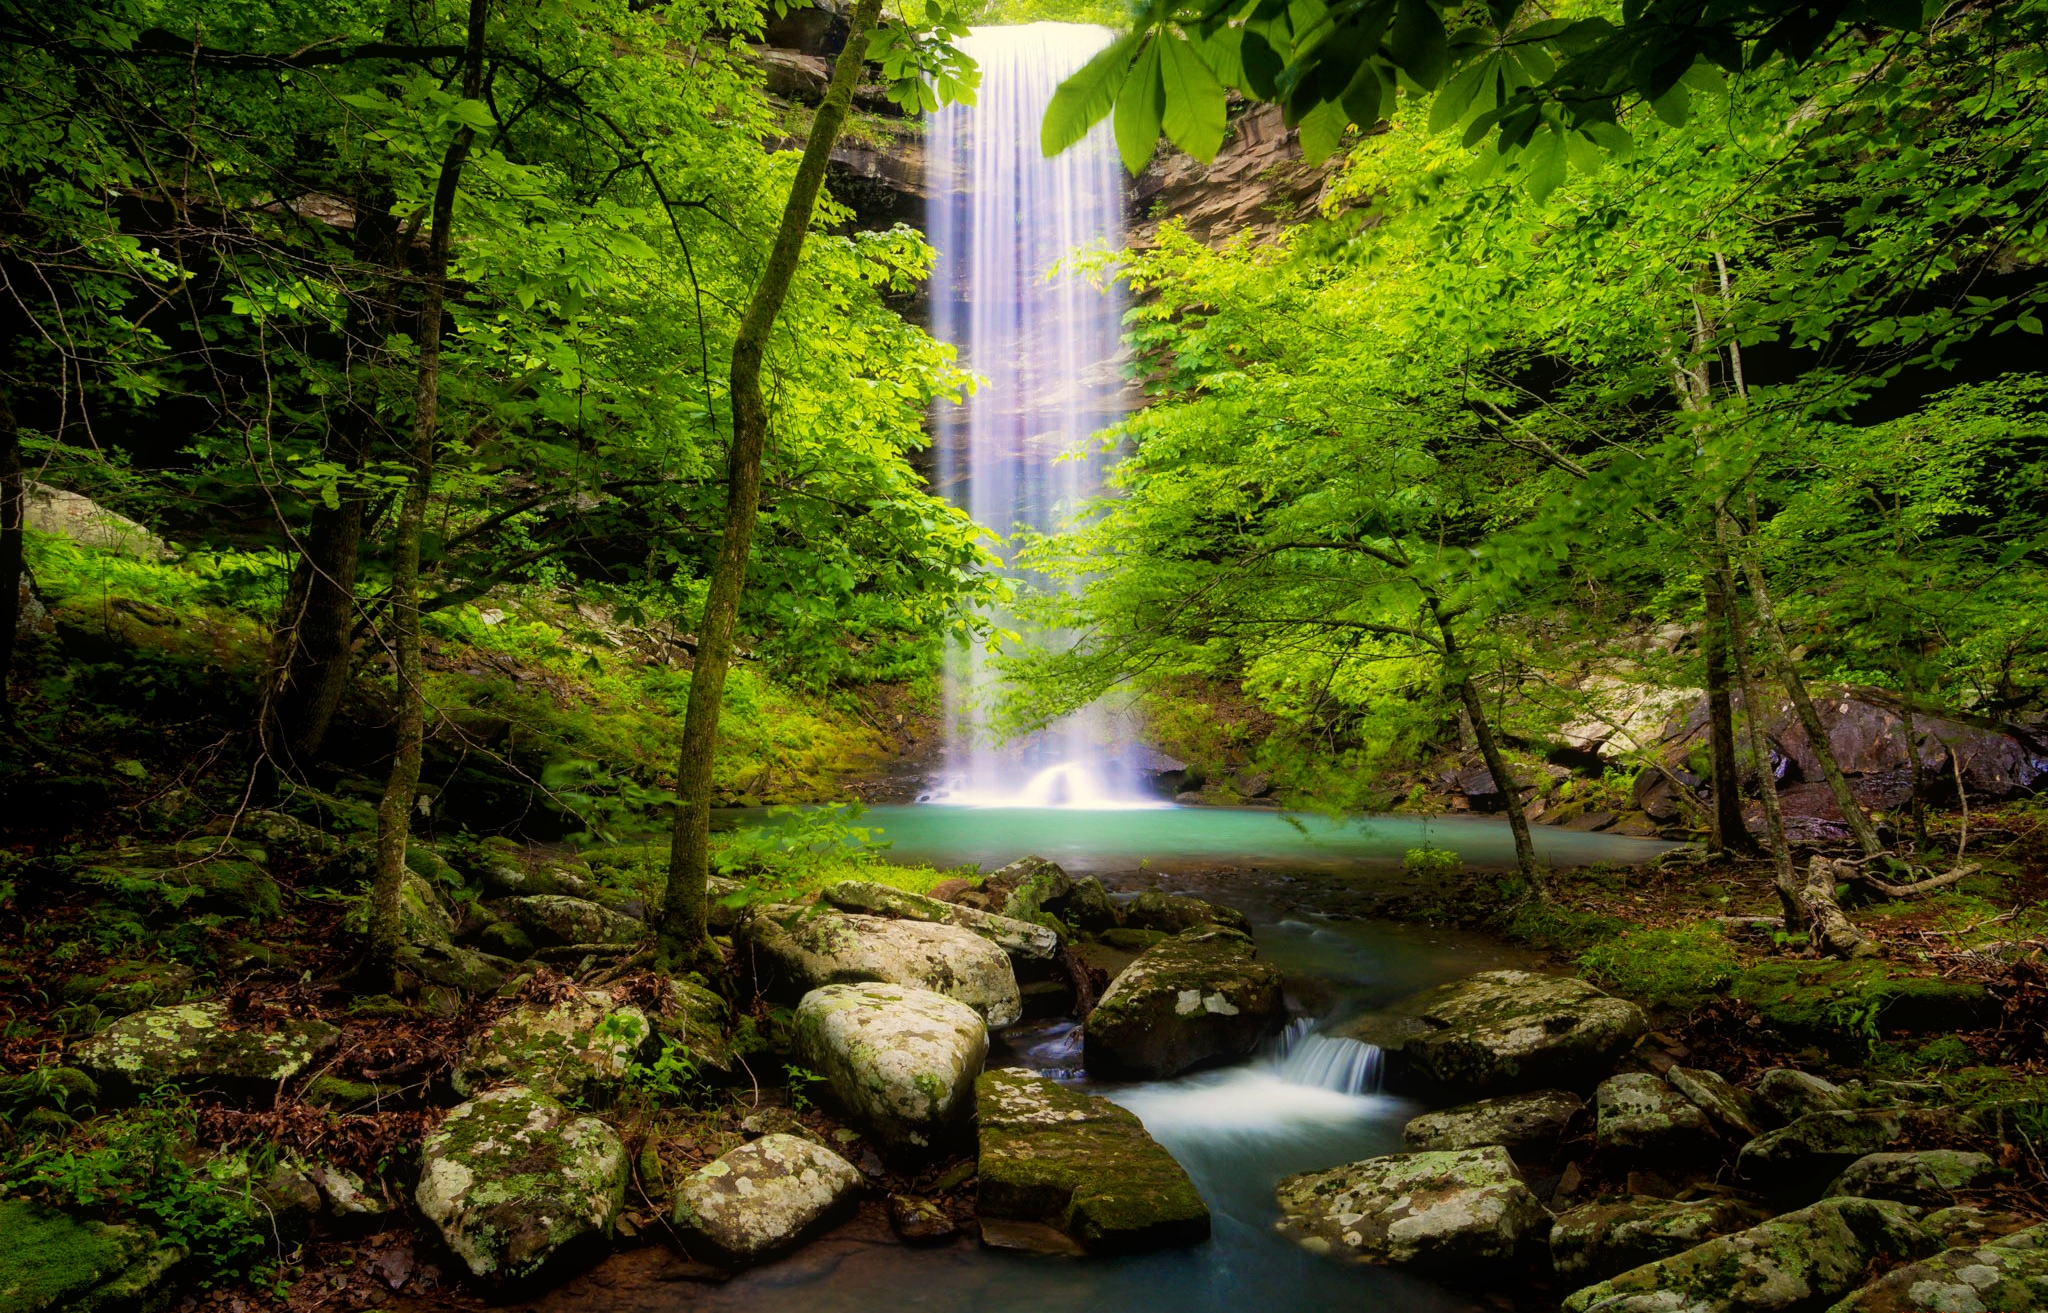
(1433, 863)
(1664, 968)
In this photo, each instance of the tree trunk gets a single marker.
(1460, 678)
(394, 808)
(1833, 932)
(1728, 834)
(1760, 749)
(1917, 770)
(680, 926)
(313, 638)
(13, 513)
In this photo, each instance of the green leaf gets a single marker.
(2030, 324)
(1223, 51)
(1262, 65)
(1084, 99)
(1195, 112)
(1140, 107)
(1364, 100)
(1452, 102)
(1544, 159)
(1321, 129)
(1674, 106)
(471, 114)
(1418, 42)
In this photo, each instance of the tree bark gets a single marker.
(13, 513)
(1916, 769)
(680, 927)
(1728, 834)
(1833, 932)
(1760, 750)
(1460, 678)
(394, 808)
(312, 643)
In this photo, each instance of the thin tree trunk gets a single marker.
(680, 926)
(13, 513)
(1460, 678)
(1728, 833)
(313, 641)
(394, 809)
(1760, 749)
(1916, 770)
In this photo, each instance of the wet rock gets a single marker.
(1728, 1106)
(197, 1045)
(1089, 908)
(1789, 1095)
(1499, 1032)
(795, 951)
(920, 1221)
(1199, 998)
(1798, 1261)
(1603, 1239)
(1022, 940)
(763, 1196)
(2007, 1275)
(1926, 1178)
(551, 919)
(1809, 1151)
(1030, 886)
(1528, 1125)
(1081, 1165)
(1172, 914)
(577, 1049)
(1640, 1114)
(517, 1184)
(1457, 1210)
(51, 1260)
(901, 1061)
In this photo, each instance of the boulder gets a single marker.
(1963, 1226)
(1172, 914)
(1022, 940)
(1197, 999)
(1080, 1164)
(1447, 1211)
(517, 1184)
(1806, 1153)
(2008, 1275)
(197, 1045)
(51, 1260)
(1089, 908)
(763, 1196)
(902, 1061)
(698, 1018)
(1788, 1095)
(1028, 887)
(1798, 1261)
(1501, 1032)
(455, 967)
(1603, 1239)
(795, 951)
(217, 875)
(577, 1049)
(1728, 1106)
(1528, 1125)
(555, 919)
(1926, 1178)
(73, 515)
(1640, 1114)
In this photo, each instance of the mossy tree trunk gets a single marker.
(1728, 834)
(680, 924)
(1459, 675)
(13, 513)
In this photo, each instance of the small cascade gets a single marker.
(1326, 1062)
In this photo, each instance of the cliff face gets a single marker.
(1258, 183)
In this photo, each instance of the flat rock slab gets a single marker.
(1447, 1211)
(1641, 1114)
(901, 1061)
(1800, 1260)
(1194, 1000)
(1527, 1125)
(2009, 1275)
(1606, 1238)
(1022, 940)
(1500, 1032)
(578, 1049)
(764, 1196)
(516, 1183)
(1926, 1178)
(197, 1044)
(797, 950)
(1079, 1164)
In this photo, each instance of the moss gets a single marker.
(49, 1259)
(1845, 1005)
(1665, 968)
(1132, 940)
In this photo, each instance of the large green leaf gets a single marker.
(1194, 115)
(1084, 99)
(1321, 129)
(1140, 107)
(1418, 42)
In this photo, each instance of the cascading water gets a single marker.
(1046, 341)
(1327, 1062)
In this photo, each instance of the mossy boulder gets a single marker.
(518, 1185)
(1130, 939)
(1031, 887)
(1728, 1106)
(1926, 1177)
(1194, 1000)
(452, 966)
(700, 1019)
(763, 1197)
(556, 919)
(1457, 1210)
(1528, 1125)
(51, 1260)
(219, 875)
(1640, 1114)
(422, 916)
(1834, 1003)
(131, 986)
(1500, 1032)
(900, 1061)
(577, 1049)
(290, 845)
(195, 1045)
(1089, 909)
(1076, 1162)
(2007, 1275)
(1785, 1095)
(1024, 941)
(1799, 1261)
(1172, 913)
(1603, 1239)
(1808, 1152)
(796, 950)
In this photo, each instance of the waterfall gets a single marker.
(1002, 216)
(1326, 1062)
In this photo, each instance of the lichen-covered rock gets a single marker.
(422, 916)
(699, 1018)
(1089, 908)
(1638, 1113)
(1925, 1178)
(1499, 1032)
(455, 967)
(1798, 1261)
(1022, 940)
(516, 1183)
(576, 1049)
(1173, 913)
(1527, 1125)
(50, 1260)
(1813, 1149)
(1727, 1105)
(797, 950)
(902, 1061)
(554, 919)
(347, 1196)
(1446, 1211)
(196, 1044)
(763, 1196)
(219, 874)
(1081, 1164)
(1608, 1237)
(1963, 1226)
(1029, 887)
(1198, 998)
(1788, 1095)
(2008, 1275)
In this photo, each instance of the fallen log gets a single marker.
(1831, 928)
(1913, 890)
